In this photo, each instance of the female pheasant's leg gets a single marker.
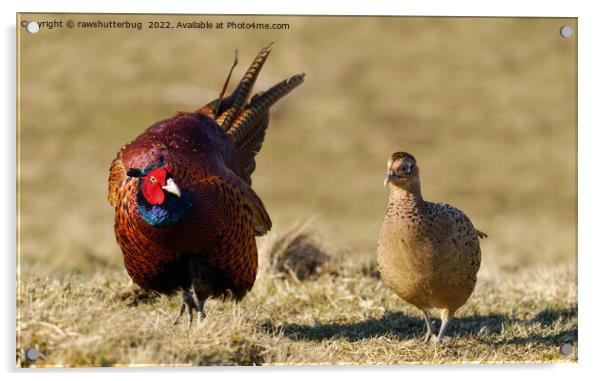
(187, 302)
(446, 318)
(429, 325)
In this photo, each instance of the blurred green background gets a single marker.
(487, 106)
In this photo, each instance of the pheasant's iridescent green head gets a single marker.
(160, 200)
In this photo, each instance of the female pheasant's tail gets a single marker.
(245, 123)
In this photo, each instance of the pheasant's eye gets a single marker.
(404, 168)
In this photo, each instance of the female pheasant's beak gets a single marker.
(390, 175)
(172, 187)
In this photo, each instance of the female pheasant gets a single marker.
(428, 253)
(186, 216)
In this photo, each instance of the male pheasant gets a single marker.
(428, 253)
(186, 216)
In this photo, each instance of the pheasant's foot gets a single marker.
(440, 337)
(201, 309)
(180, 313)
(439, 340)
(429, 337)
(188, 303)
(429, 326)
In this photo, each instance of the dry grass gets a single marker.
(347, 316)
(298, 254)
(486, 105)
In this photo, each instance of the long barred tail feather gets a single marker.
(251, 146)
(248, 129)
(218, 103)
(246, 123)
(242, 92)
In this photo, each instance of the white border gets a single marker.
(553, 8)
(589, 170)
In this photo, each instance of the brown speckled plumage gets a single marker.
(202, 236)
(428, 253)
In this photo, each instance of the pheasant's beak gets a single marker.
(172, 187)
(390, 175)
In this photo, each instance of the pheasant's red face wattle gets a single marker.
(155, 183)
(152, 186)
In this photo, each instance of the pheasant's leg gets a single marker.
(180, 313)
(182, 307)
(439, 337)
(187, 303)
(202, 279)
(446, 318)
(201, 310)
(429, 325)
(192, 306)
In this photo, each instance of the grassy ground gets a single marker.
(345, 314)
(486, 105)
